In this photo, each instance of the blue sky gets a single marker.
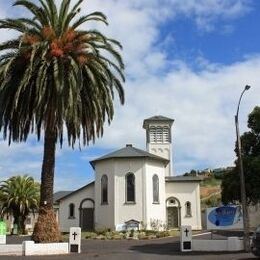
(185, 59)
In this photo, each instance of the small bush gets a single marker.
(102, 231)
(90, 235)
(101, 237)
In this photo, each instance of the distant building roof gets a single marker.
(157, 119)
(129, 152)
(58, 195)
(182, 179)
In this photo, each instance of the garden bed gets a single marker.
(130, 234)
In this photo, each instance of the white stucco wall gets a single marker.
(186, 191)
(124, 211)
(163, 150)
(76, 198)
(104, 213)
(118, 211)
(154, 211)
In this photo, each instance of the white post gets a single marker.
(28, 247)
(186, 239)
(75, 240)
(2, 232)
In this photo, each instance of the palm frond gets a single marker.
(13, 24)
(96, 16)
(54, 74)
(11, 44)
(64, 8)
(34, 9)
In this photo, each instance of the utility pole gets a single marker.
(242, 179)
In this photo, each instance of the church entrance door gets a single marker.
(173, 213)
(88, 219)
(172, 217)
(86, 214)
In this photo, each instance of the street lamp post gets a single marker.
(242, 178)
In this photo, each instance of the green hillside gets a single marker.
(210, 192)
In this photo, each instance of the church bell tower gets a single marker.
(158, 138)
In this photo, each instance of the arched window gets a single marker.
(71, 210)
(155, 189)
(188, 209)
(130, 187)
(104, 182)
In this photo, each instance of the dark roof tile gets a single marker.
(129, 152)
(73, 192)
(157, 119)
(60, 194)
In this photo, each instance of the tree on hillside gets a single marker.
(251, 160)
(57, 74)
(19, 195)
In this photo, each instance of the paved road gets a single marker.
(159, 249)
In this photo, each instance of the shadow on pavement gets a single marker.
(228, 233)
(15, 239)
(249, 258)
(172, 249)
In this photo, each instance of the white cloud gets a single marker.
(207, 12)
(202, 103)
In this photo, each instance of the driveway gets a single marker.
(158, 249)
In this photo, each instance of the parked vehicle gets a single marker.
(255, 247)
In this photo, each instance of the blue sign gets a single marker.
(225, 216)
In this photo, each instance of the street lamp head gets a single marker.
(247, 87)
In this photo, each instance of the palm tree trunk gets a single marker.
(46, 229)
(15, 223)
(47, 175)
(22, 224)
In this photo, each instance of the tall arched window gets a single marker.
(104, 182)
(188, 209)
(155, 189)
(130, 187)
(71, 210)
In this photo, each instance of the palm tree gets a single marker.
(57, 75)
(19, 195)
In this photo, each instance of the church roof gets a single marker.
(65, 194)
(182, 179)
(60, 194)
(158, 118)
(129, 152)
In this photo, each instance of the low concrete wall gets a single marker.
(231, 244)
(11, 250)
(30, 248)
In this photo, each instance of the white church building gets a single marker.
(137, 186)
